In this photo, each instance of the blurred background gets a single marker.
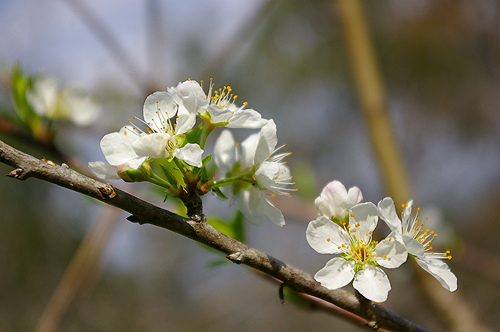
(288, 59)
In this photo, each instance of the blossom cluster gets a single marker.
(345, 227)
(168, 137)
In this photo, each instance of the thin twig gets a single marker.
(26, 166)
(452, 306)
(82, 272)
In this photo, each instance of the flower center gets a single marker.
(361, 251)
(415, 229)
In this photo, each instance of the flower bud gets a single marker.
(129, 174)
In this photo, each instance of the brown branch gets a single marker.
(26, 166)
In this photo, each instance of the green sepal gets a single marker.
(219, 193)
(336, 220)
(170, 178)
(206, 160)
(194, 135)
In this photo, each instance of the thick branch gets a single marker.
(26, 166)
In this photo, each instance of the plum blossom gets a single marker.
(359, 256)
(55, 103)
(163, 138)
(335, 200)
(260, 171)
(417, 241)
(219, 105)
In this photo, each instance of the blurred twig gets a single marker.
(104, 34)
(238, 39)
(82, 273)
(452, 306)
(26, 166)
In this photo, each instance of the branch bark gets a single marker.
(26, 166)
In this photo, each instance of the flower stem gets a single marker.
(209, 127)
(242, 177)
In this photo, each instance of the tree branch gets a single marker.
(26, 166)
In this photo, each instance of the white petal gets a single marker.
(394, 251)
(219, 114)
(372, 283)
(193, 97)
(152, 145)
(267, 173)
(413, 246)
(335, 200)
(254, 205)
(103, 170)
(225, 151)
(336, 273)
(366, 214)
(389, 215)
(117, 147)
(439, 270)
(248, 147)
(266, 143)
(158, 106)
(246, 118)
(249, 203)
(191, 154)
(185, 121)
(273, 213)
(323, 235)
(83, 110)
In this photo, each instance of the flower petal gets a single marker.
(372, 283)
(388, 214)
(103, 170)
(225, 151)
(193, 97)
(323, 235)
(413, 246)
(158, 106)
(117, 147)
(246, 118)
(248, 147)
(219, 114)
(266, 143)
(366, 215)
(391, 253)
(336, 273)
(335, 200)
(152, 145)
(439, 270)
(255, 207)
(191, 154)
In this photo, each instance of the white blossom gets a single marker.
(267, 172)
(162, 137)
(335, 200)
(359, 255)
(417, 241)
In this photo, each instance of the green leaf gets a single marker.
(19, 84)
(234, 228)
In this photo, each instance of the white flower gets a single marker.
(161, 139)
(417, 241)
(360, 256)
(266, 172)
(49, 100)
(335, 200)
(219, 104)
